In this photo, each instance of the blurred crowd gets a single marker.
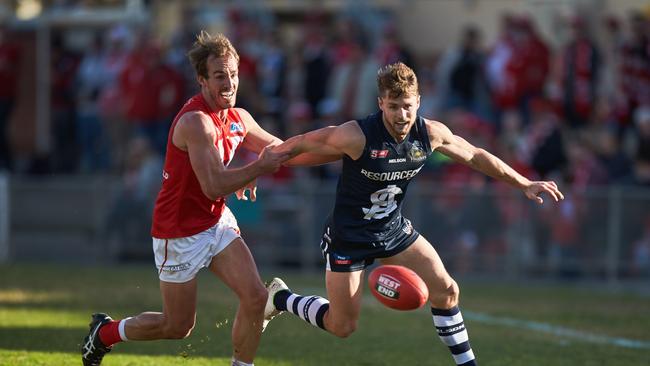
(580, 110)
(578, 113)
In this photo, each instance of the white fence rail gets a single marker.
(4, 218)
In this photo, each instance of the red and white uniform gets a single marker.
(181, 208)
(189, 229)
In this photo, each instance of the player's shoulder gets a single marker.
(196, 121)
(432, 123)
(436, 129)
(243, 114)
(245, 117)
(350, 125)
(193, 118)
(347, 132)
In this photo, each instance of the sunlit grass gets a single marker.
(21, 296)
(43, 323)
(41, 318)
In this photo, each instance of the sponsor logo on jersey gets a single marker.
(416, 153)
(397, 160)
(388, 286)
(388, 176)
(236, 127)
(378, 154)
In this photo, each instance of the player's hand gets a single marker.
(534, 190)
(251, 188)
(270, 160)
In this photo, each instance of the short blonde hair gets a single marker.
(206, 45)
(396, 80)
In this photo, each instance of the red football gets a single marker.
(398, 287)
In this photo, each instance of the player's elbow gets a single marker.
(214, 191)
(211, 194)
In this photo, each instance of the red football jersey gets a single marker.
(181, 207)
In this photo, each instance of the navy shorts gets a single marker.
(348, 256)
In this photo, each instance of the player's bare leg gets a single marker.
(236, 268)
(344, 290)
(338, 316)
(176, 320)
(422, 258)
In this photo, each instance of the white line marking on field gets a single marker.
(525, 324)
(556, 330)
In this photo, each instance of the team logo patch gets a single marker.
(388, 286)
(378, 154)
(236, 127)
(416, 153)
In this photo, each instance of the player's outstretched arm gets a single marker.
(196, 134)
(325, 145)
(256, 138)
(458, 149)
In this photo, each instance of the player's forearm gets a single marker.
(296, 145)
(491, 165)
(230, 180)
(309, 159)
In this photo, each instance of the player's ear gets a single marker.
(202, 81)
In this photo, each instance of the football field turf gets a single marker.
(45, 310)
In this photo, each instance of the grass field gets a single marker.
(44, 312)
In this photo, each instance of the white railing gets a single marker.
(4, 218)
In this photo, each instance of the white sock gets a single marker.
(236, 362)
(120, 328)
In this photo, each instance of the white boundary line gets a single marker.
(522, 324)
(555, 330)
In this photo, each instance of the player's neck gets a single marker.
(398, 138)
(220, 112)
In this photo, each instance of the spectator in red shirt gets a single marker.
(153, 91)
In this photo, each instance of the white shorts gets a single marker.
(179, 260)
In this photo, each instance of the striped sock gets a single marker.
(311, 309)
(451, 330)
(235, 362)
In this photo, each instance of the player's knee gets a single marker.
(179, 331)
(452, 294)
(255, 300)
(343, 330)
(447, 298)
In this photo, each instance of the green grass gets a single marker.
(44, 312)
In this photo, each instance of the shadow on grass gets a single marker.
(70, 339)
